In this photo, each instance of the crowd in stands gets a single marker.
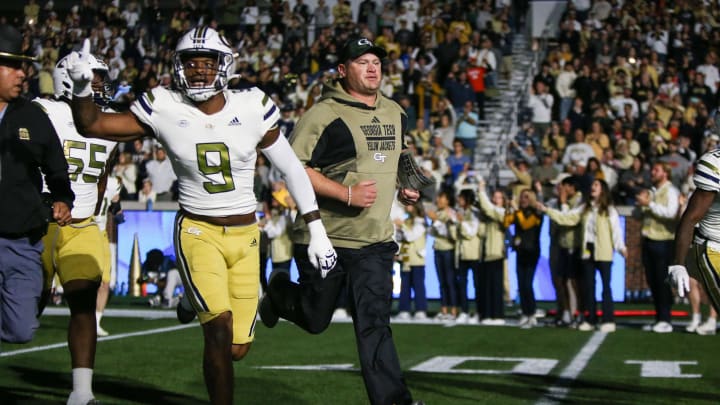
(438, 53)
(623, 86)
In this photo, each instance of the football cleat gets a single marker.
(102, 332)
(81, 399)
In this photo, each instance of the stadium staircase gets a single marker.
(502, 113)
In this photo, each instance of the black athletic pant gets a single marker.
(526, 266)
(490, 293)
(656, 257)
(367, 274)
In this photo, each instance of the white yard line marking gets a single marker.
(102, 339)
(121, 313)
(560, 390)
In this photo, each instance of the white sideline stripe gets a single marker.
(102, 339)
(559, 391)
(120, 313)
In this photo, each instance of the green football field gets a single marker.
(158, 361)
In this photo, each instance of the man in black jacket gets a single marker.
(29, 148)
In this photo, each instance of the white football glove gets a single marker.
(320, 251)
(678, 276)
(80, 71)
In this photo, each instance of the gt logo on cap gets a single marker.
(364, 42)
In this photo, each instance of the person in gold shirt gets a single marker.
(468, 249)
(490, 289)
(411, 233)
(443, 230)
(597, 138)
(601, 236)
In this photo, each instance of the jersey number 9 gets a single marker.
(214, 162)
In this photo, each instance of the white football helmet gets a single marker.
(203, 41)
(63, 84)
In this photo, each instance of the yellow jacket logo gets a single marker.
(24, 134)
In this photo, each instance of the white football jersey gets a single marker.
(707, 177)
(86, 157)
(213, 156)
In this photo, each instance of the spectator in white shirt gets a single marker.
(409, 17)
(486, 59)
(541, 104)
(147, 193)
(657, 40)
(712, 75)
(130, 15)
(564, 87)
(578, 151)
(619, 102)
(160, 172)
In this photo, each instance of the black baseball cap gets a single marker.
(11, 44)
(357, 47)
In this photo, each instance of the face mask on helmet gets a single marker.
(63, 85)
(207, 58)
(102, 90)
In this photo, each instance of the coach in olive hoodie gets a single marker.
(350, 143)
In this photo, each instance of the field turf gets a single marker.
(158, 361)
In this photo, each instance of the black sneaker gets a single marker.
(184, 311)
(267, 313)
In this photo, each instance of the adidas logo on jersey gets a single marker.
(375, 120)
(234, 121)
(253, 243)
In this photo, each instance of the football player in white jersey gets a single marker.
(75, 253)
(211, 135)
(703, 210)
